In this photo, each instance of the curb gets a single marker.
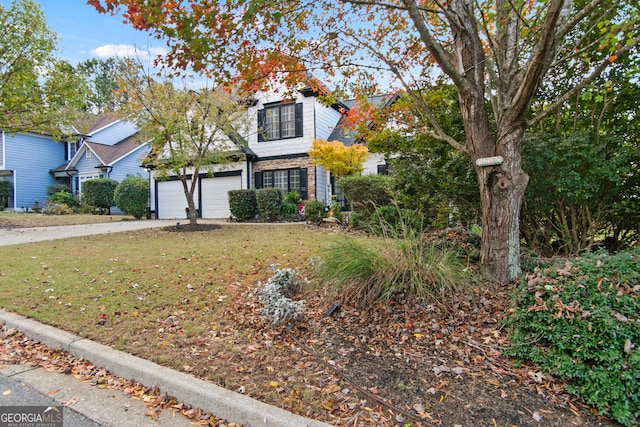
(220, 402)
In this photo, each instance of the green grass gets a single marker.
(129, 281)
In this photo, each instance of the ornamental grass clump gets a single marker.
(366, 272)
(276, 295)
(580, 321)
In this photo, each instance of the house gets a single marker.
(25, 161)
(284, 125)
(98, 147)
(110, 148)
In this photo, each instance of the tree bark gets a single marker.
(502, 188)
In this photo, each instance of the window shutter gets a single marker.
(299, 120)
(257, 178)
(383, 169)
(260, 125)
(304, 193)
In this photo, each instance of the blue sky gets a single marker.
(84, 33)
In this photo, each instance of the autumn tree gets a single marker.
(337, 158)
(496, 53)
(38, 91)
(190, 131)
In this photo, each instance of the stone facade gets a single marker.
(289, 163)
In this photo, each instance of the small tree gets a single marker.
(132, 196)
(99, 193)
(190, 131)
(337, 158)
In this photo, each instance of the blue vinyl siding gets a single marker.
(88, 164)
(130, 165)
(31, 157)
(114, 133)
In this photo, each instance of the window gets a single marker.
(280, 121)
(72, 148)
(285, 179)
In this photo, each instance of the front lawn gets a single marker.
(190, 301)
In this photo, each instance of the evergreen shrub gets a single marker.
(580, 321)
(242, 204)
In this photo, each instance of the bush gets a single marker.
(57, 188)
(5, 192)
(269, 202)
(276, 297)
(57, 209)
(365, 192)
(290, 204)
(583, 187)
(336, 211)
(242, 204)
(99, 193)
(393, 219)
(314, 211)
(580, 322)
(64, 197)
(132, 196)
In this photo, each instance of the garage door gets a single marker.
(171, 200)
(215, 197)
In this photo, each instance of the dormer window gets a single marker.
(280, 121)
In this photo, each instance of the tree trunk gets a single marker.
(502, 188)
(189, 190)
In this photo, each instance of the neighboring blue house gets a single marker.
(111, 151)
(100, 147)
(25, 161)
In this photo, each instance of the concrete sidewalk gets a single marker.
(109, 408)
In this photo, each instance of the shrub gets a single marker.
(365, 192)
(57, 188)
(392, 219)
(290, 204)
(57, 209)
(336, 211)
(99, 193)
(269, 202)
(5, 192)
(580, 322)
(64, 197)
(314, 211)
(292, 197)
(132, 196)
(242, 204)
(276, 297)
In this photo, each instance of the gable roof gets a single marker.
(93, 123)
(109, 154)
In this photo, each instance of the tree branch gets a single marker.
(539, 60)
(582, 84)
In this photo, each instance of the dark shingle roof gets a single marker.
(110, 153)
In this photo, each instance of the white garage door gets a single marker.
(171, 200)
(215, 197)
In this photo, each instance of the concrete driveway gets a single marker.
(16, 236)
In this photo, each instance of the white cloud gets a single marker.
(126, 51)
